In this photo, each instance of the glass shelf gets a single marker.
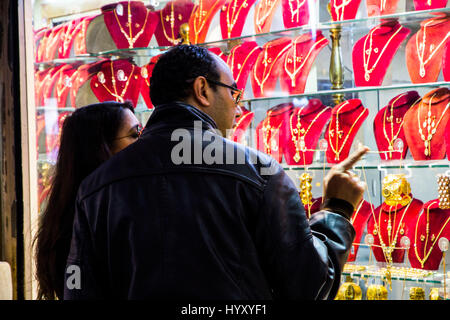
(140, 109)
(377, 164)
(77, 60)
(282, 95)
(398, 272)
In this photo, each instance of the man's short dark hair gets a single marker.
(171, 74)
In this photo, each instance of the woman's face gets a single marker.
(128, 132)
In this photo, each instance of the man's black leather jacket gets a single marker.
(148, 226)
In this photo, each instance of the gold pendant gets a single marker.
(296, 157)
(422, 237)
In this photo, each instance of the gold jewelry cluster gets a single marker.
(305, 188)
(443, 191)
(396, 190)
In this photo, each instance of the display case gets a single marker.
(319, 77)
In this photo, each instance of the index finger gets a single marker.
(348, 163)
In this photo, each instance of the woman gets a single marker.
(90, 136)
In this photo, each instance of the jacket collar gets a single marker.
(177, 115)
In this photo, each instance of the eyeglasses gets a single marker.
(235, 92)
(134, 135)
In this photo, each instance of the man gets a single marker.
(162, 220)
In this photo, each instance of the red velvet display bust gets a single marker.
(381, 7)
(39, 41)
(79, 42)
(118, 80)
(373, 53)
(312, 208)
(264, 11)
(79, 77)
(201, 18)
(233, 16)
(425, 49)
(295, 12)
(67, 38)
(344, 9)
(40, 78)
(425, 124)
(63, 84)
(388, 125)
(53, 42)
(47, 85)
(429, 4)
(171, 17)
(297, 61)
(130, 23)
(267, 67)
(303, 131)
(269, 132)
(347, 117)
(241, 125)
(359, 221)
(146, 74)
(424, 252)
(400, 217)
(219, 52)
(241, 60)
(446, 62)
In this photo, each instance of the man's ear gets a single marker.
(202, 91)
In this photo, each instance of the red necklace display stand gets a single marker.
(359, 221)
(344, 9)
(388, 125)
(446, 62)
(298, 60)
(429, 4)
(425, 123)
(267, 67)
(233, 16)
(373, 53)
(118, 80)
(304, 128)
(397, 219)
(201, 18)
(241, 125)
(296, 12)
(146, 74)
(241, 60)
(79, 41)
(171, 17)
(347, 117)
(425, 49)
(270, 133)
(63, 84)
(264, 12)
(424, 232)
(381, 7)
(130, 23)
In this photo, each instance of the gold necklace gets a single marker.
(68, 35)
(119, 98)
(391, 120)
(431, 126)
(270, 4)
(425, 258)
(389, 249)
(338, 150)
(130, 38)
(172, 39)
(342, 6)
(294, 59)
(295, 12)
(80, 46)
(267, 61)
(240, 121)
(368, 52)
(62, 84)
(421, 49)
(240, 66)
(234, 16)
(268, 133)
(199, 13)
(353, 217)
(298, 134)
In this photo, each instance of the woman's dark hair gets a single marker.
(86, 139)
(169, 81)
